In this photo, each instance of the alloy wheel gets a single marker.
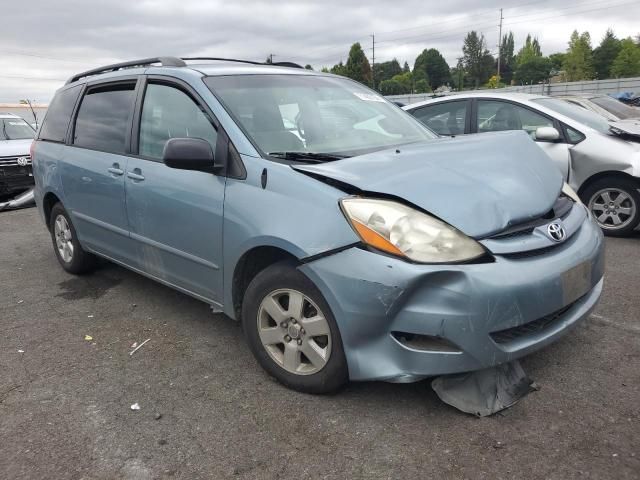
(62, 233)
(294, 332)
(613, 208)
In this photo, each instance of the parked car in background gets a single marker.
(604, 105)
(359, 247)
(16, 136)
(599, 159)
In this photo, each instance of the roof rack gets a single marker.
(277, 64)
(164, 61)
(168, 62)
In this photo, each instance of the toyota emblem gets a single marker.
(22, 161)
(556, 232)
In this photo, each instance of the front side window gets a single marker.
(586, 117)
(447, 118)
(495, 116)
(15, 129)
(168, 112)
(314, 114)
(103, 118)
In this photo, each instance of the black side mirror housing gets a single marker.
(190, 154)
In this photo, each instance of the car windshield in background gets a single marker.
(586, 117)
(314, 118)
(616, 107)
(15, 129)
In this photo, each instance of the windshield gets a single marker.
(616, 107)
(314, 115)
(15, 129)
(586, 117)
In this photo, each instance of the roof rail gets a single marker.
(277, 64)
(164, 61)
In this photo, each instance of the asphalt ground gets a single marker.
(65, 401)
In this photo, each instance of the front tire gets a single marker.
(68, 251)
(615, 204)
(291, 331)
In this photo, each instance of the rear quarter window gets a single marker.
(56, 121)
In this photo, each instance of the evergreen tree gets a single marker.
(386, 71)
(405, 67)
(357, 66)
(578, 61)
(431, 66)
(507, 58)
(478, 61)
(605, 54)
(627, 62)
(529, 51)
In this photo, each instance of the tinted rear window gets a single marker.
(103, 118)
(58, 115)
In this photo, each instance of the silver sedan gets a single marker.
(598, 158)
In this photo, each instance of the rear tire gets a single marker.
(68, 251)
(615, 204)
(291, 331)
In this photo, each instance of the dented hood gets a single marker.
(629, 127)
(480, 184)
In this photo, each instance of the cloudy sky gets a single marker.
(45, 41)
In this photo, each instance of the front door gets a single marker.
(175, 216)
(497, 115)
(93, 167)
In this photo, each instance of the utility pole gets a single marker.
(500, 44)
(373, 56)
(271, 58)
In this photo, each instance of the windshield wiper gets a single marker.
(311, 157)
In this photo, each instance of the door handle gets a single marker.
(115, 169)
(136, 175)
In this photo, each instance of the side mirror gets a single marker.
(190, 154)
(547, 134)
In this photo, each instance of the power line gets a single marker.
(28, 54)
(34, 78)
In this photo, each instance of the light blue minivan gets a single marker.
(350, 240)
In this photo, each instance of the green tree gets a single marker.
(578, 62)
(391, 87)
(477, 59)
(405, 67)
(557, 60)
(431, 66)
(308, 67)
(535, 70)
(627, 62)
(406, 81)
(507, 58)
(357, 66)
(605, 54)
(386, 71)
(530, 50)
(339, 69)
(421, 86)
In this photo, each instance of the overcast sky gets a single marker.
(45, 41)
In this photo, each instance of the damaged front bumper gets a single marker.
(25, 199)
(403, 322)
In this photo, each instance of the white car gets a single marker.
(598, 158)
(16, 136)
(610, 108)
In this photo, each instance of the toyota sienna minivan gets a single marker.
(350, 241)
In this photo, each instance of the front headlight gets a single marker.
(400, 230)
(571, 193)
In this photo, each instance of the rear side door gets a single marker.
(492, 115)
(94, 164)
(175, 216)
(445, 118)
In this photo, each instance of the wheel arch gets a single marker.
(607, 173)
(250, 263)
(48, 201)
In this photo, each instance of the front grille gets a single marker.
(13, 161)
(536, 326)
(560, 209)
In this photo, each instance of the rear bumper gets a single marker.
(372, 295)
